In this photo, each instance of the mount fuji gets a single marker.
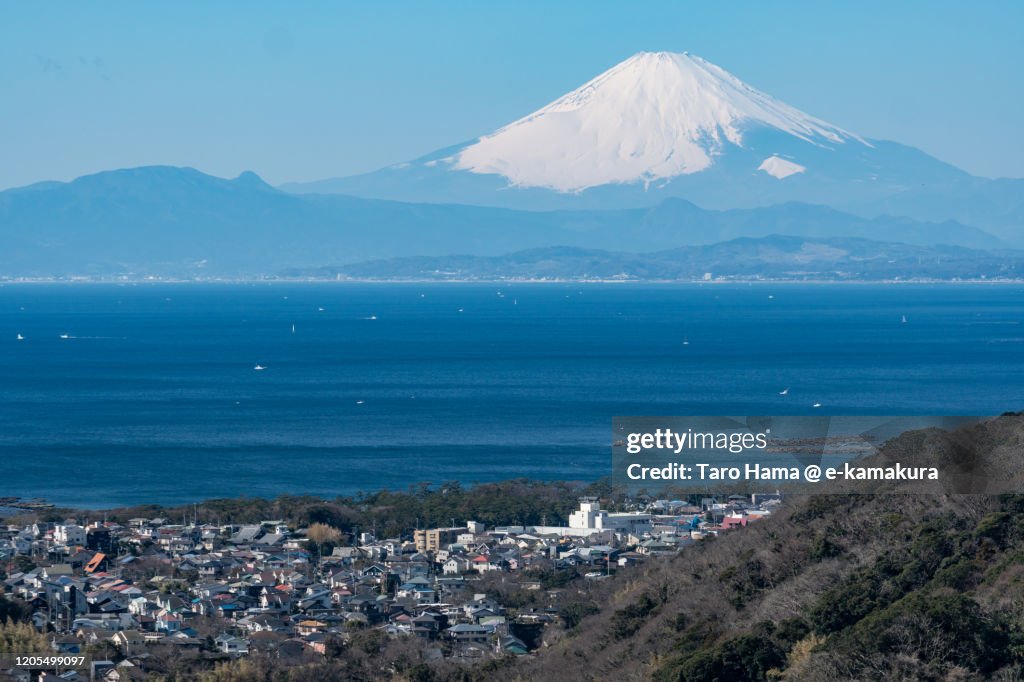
(655, 126)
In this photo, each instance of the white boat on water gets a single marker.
(784, 391)
(20, 337)
(65, 336)
(259, 367)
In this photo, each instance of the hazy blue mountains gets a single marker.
(169, 221)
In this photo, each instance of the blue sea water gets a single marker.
(154, 397)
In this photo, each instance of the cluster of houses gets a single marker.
(228, 590)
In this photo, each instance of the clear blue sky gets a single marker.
(303, 91)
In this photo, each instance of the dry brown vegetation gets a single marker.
(891, 587)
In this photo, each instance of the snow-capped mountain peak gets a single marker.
(659, 125)
(657, 115)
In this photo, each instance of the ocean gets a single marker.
(153, 397)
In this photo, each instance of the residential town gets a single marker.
(130, 590)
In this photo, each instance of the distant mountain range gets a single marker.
(661, 152)
(179, 222)
(771, 258)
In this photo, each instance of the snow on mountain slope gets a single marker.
(780, 168)
(656, 115)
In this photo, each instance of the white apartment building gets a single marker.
(69, 535)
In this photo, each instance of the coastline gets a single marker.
(544, 281)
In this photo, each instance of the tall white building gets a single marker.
(591, 516)
(69, 535)
(590, 520)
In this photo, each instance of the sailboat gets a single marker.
(903, 319)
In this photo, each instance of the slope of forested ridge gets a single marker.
(853, 587)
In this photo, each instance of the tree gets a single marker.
(22, 638)
(13, 610)
(323, 535)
